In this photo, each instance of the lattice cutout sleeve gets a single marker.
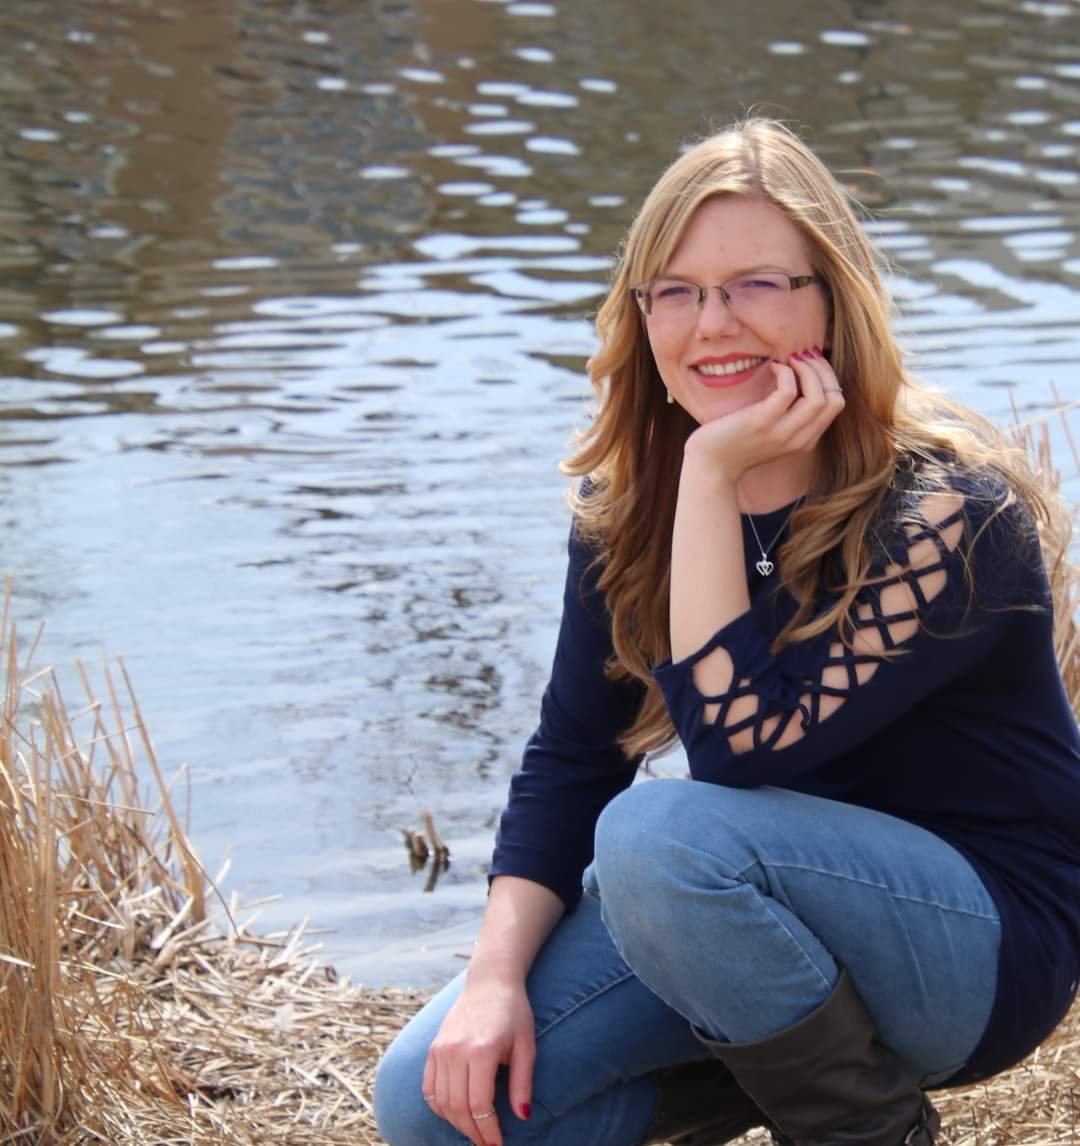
(748, 717)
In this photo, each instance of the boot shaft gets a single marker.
(830, 1081)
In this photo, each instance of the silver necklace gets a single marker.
(765, 566)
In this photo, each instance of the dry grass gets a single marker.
(138, 1007)
(1034, 438)
(134, 1006)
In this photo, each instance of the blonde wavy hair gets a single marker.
(632, 450)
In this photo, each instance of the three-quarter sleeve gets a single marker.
(572, 765)
(945, 591)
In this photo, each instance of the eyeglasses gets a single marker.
(745, 297)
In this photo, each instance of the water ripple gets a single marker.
(294, 327)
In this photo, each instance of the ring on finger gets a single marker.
(832, 390)
(483, 1114)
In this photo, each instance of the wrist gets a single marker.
(492, 968)
(703, 466)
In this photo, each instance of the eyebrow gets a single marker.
(667, 274)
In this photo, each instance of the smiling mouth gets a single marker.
(726, 369)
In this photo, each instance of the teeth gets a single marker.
(719, 369)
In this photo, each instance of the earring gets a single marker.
(670, 400)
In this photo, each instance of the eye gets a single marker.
(671, 291)
(760, 284)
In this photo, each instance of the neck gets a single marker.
(775, 484)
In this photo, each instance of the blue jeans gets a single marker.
(731, 911)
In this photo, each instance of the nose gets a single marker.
(715, 317)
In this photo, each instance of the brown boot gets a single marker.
(829, 1081)
(700, 1104)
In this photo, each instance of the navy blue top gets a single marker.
(968, 733)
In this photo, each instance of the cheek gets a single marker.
(666, 343)
(811, 331)
(823, 320)
(664, 349)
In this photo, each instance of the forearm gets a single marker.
(520, 915)
(708, 576)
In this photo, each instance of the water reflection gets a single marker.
(293, 324)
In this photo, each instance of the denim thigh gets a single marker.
(738, 906)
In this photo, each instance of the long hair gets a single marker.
(632, 450)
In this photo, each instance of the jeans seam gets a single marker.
(992, 917)
(593, 993)
(804, 954)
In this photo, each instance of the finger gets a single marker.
(459, 1112)
(810, 368)
(823, 400)
(472, 1103)
(822, 368)
(832, 394)
(482, 1107)
(427, 1084)
(444, 1092)
(787, 388)
(430, 1085)
(522, 1060)
(440, 1095)
(811, 401)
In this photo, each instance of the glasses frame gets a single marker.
(640, 292)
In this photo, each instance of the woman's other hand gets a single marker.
(491, 1025)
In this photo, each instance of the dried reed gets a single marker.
(136, 1006)
(130, 1012)
(1033, 437)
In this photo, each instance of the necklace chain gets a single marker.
(765, 566)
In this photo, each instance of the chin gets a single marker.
(722, 403)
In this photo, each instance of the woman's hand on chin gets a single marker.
(790, 420)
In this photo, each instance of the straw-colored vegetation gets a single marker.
(137, 1006)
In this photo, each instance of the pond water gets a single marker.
(294, 313)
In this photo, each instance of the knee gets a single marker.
(402, 1115)
(636, 838)
(660, 843)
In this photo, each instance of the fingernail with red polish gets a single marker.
(526, 1111)
(817, 352)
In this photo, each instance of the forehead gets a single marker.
(729, 234)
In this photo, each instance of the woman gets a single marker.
(826, 581)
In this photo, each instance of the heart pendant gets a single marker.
(764, 566)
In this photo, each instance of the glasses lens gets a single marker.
(758, 292)
(748, 295)
(670, 296)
